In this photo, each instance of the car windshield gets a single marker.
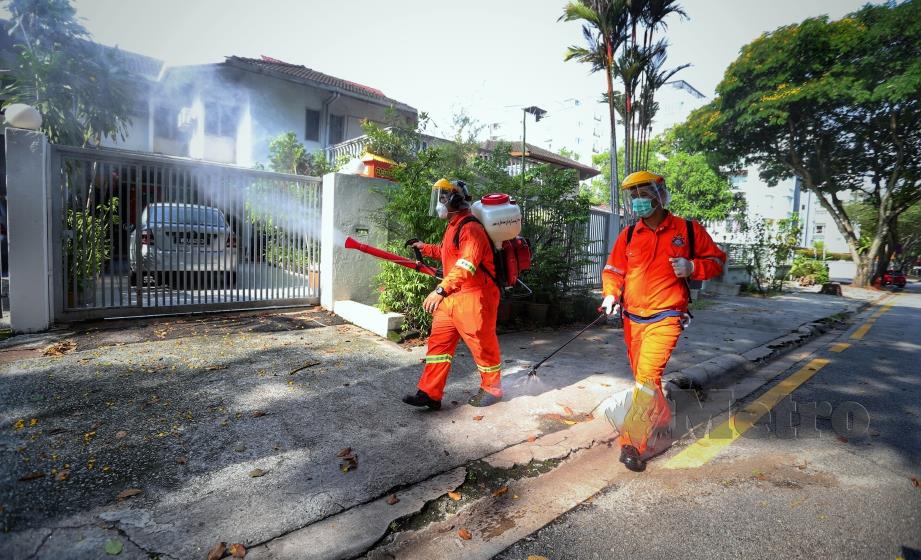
(198, 215)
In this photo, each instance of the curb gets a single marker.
(723, 370)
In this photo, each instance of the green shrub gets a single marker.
(555, 214)
(812, 270)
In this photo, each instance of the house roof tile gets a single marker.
(308, 75)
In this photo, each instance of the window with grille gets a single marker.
(312, 127)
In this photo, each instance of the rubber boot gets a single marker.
(422, 399)
(630, 457)
(483, 398)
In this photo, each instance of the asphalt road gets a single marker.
(832, 471)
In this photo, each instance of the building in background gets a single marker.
(229, 112)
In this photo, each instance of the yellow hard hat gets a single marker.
(638, 178)
(443, 185)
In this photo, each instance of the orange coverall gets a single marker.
(642, 276)
(468, 312)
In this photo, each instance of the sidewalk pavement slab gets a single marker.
(187, 420)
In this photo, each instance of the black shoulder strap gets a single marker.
(465, 221)
(690, 227)
(630, 233)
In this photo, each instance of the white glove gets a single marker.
(610, 305)
(683, 267)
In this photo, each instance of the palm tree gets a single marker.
(654, 78)
(604, 30)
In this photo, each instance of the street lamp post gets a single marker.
(538, 115)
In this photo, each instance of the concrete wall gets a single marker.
(841, 270)
(28, 199)
(348, 204)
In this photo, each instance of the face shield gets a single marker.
(448, 197)
(438, 201)
(643, 199)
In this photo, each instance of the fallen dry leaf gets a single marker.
(258, 413)
(478, 418)
(256, 473)
(181, 460)
(536, 557)
(217, 551)
(842, 439)
(464, 534)
(456, 496)
(121, 434)
(63, 474)
(499, 491)
(915, 482)
(31, 476)
(344, 452)
(392, 499)
(60, 348)
(125, 494)
(566, 410)
(532, 438)
(237, 550)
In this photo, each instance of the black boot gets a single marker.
(422, 399)
(630, 457)
(483, 398)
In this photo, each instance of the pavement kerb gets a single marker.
(722, 371)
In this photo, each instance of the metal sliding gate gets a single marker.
(145, 234)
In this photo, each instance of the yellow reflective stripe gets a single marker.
(466, 265)
(438, 358)
(489, 369)
(614, 269)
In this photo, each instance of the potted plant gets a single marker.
(88, 248)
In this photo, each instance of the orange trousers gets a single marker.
(471, 316)
(649, 346)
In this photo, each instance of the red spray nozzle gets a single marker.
(388, 256)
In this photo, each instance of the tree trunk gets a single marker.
(615, 193)
(846, 228)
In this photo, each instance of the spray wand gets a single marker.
(533, 371)
(416, 265)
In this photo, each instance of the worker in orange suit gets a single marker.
(465, 303)
(647, 276)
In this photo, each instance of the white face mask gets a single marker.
(441, 211)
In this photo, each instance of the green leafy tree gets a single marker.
(81, 90)
(902, 247)
(555, 215)
(288, 155)
(833, 102)
(698, 191)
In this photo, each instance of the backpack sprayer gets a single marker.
(500, 216)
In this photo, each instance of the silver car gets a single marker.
(179, 241)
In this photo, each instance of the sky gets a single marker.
(487, 58)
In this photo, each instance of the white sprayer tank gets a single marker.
(499, 215)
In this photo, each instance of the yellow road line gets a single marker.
(861, 332)
(863, 329)
(706, 448)
(840, 346)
